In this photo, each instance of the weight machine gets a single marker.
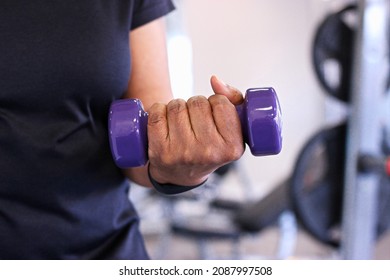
(365, 133)
(340, 187)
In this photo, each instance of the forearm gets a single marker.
(187, 140)
(149, 80)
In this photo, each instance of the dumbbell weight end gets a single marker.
(261, 121)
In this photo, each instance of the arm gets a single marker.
(149, 80)
(187, 140)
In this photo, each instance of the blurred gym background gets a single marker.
(249, 209)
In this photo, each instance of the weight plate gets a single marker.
(317, 187)
(332, 53)
(317, 184)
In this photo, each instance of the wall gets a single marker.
(254, 43)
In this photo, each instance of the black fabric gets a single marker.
(61, 65)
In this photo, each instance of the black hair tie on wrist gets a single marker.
(171, 189)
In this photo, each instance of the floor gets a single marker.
(261, 246)
(157, 214)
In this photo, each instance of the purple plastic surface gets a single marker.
(261, 121)
(127, 126)
(260, 117)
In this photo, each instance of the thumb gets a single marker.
(219, 87)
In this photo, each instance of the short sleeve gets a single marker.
(147, 10)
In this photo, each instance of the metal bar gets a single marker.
(364, 130)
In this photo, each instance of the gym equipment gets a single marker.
(369, 163)
(317, 185)
(356, 206)
(332, 52)
(259, 114)
(231, 220)
(363, 198)
(333, 49)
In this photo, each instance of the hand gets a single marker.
(189, 140)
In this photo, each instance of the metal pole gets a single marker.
(364, 130)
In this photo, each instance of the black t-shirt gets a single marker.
(61, 65)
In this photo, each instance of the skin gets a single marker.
(188, 140)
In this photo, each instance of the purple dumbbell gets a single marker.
(259, 114)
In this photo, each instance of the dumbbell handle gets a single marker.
(259, 114)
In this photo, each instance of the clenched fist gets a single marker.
(189, 140)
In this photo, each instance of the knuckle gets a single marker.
(200, 156)
(167, 160)
(215, 155)
(236, 151)
(176, 106)
(164, 158)
(216, 159)
(230, 153)
(155, 120)
(198, 102)
(220, 102)
(187, 157)
(210, 155)
(218, 98)
(156, 114)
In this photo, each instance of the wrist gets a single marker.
(178, 175)
(172, 189)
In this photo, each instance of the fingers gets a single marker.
(220, 88)
(189, 140)
(201, 117)
(168, 125)
(179, 125)
(228, 124)
(158, 131)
